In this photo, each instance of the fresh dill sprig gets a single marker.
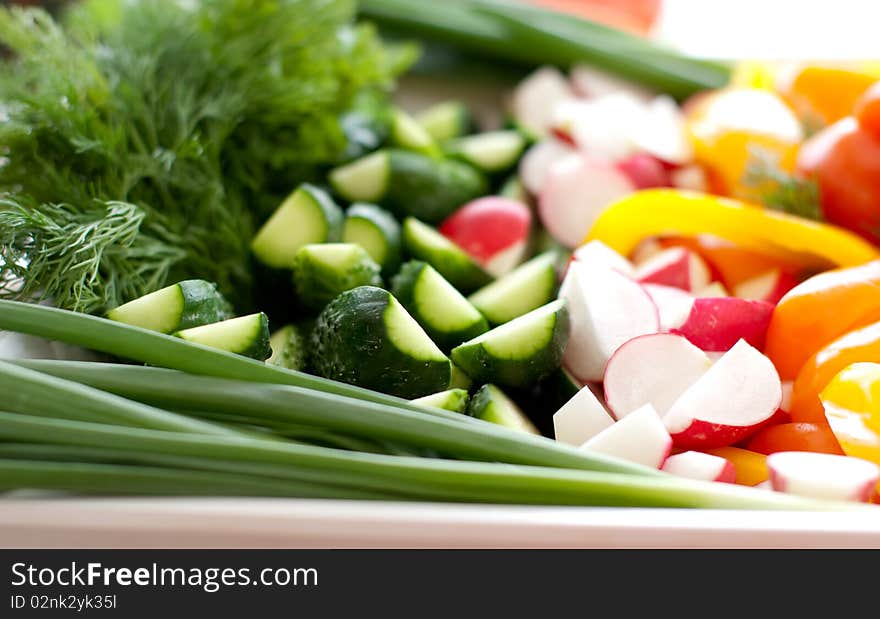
(145, 140)
(770, 185)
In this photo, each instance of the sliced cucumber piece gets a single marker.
(365, 337)
(514, 189)
(377, 231)
(491, 152)
(455, 400)
(245, 335)
(529, 286)
(407, 133)
(520, 352)
(460, 380)
(541, 400)
(491, 404)
(186, 304)
(435, 303)
(322, 271)
(289, 348)
(363, 180)
(446, 120)
(409, 183)
(308, 215)
(425, 243)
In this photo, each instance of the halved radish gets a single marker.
(700, 465)
(605, 127)
(674, 304)
(581, 418)
(676, 266)
(588, 81)
(534, 99)
(728, 403)
(646, 249)
(662, 133)
(652, 369)
(606, 308)
(576, 190)
(599, 253)
(644, 170)
(493, 230)
(713, 290)
(538, 159)
(640, 437)
(822, 476)
(717, 323)
(770, 286)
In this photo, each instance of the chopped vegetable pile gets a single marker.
(647, 287)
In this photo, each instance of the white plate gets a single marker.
(286, 523)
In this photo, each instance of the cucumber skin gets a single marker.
(202, 304)
(430, 188)
(259, 348)
(389, 225)
(292, 352)
(458, 268)
(403, 288)
(317, 285)
(350, 344)
(483, 367)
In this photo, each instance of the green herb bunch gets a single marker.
(143, 141)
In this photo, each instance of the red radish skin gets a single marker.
(770, 286)
(652, 369)
(677, 267)
(576, 190)
(718, 323)
(644, 171)
(538, 159)
(729, 403)
(606, 308)
(639, 437)
(823, 476)
(700, 465)
(486, 226)
(674, 304)
(581, 418)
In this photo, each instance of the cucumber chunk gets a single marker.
(289, 348)
(455, 400)
(407, 133)
(377, 231)
(446, 120)
(322, 271)
(542, 399)
(186, 304)
(435, 303)
(365, 337)
(514, 189)
(460, 380)
(520, 352)
(409, 183)
(491, 404)
(529, 286)
(425, 243)
(308, 215)
(491, 152)
(245, 335)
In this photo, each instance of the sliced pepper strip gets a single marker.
(670, 212)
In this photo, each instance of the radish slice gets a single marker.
(676, 266)
(728, 403)
(822, 476)
(639, 437)
(770, 286)
(603, 127)
(713, 290)
(645, 250)
(581, 418)
(538, 159)
(493, 230)
(644, 171)
(606, 309)
(598, 253)
(576, 190)
(661, 132)
(717, 323)
(700, 465)
(652, 369)
(588, 81)
(674, 304)
(535, 98)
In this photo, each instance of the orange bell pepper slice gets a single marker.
(818, 311)
(649, 213)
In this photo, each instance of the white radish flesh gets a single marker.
(534, 99)
(652, 369)
(639, 437)
(700, 465)
(674, 304)
(661, 132)
(677, 267)
(822, 476)
(538, 159)
(581, 418)
(770, 286)
(599, 253)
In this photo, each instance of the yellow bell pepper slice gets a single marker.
(750, 466)
(671, 212)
